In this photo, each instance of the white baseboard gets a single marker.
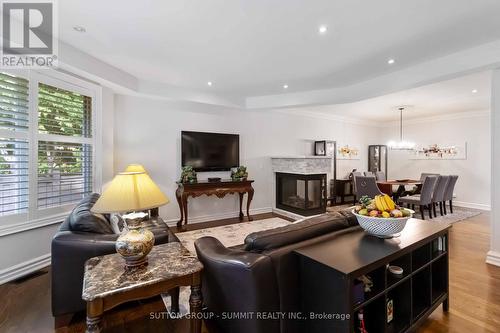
(471, 205)
(24, 268)
(493, 258)
(220, 216)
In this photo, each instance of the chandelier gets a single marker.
(401, 144)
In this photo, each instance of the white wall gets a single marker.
(473, 186)
(148, 132)
(493, 256)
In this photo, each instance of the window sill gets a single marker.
(35, 224)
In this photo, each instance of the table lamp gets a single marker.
(132, 192)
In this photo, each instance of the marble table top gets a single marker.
(106, 275)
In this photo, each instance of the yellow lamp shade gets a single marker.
(135, 168)
(130, 191)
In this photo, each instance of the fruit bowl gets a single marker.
(382, 227)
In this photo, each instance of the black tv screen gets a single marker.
(210, 151)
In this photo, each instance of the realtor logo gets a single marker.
(28, 34)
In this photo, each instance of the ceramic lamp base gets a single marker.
(135, 244)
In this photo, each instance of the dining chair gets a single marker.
(368, 174)
(424, 200)
(438, 195)
(366, 185)
(448, 193)
(354, 175)
(380, 175)
(417, 189)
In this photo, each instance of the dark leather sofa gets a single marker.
(262, 276)
(80, 237)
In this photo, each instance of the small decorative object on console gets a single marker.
(132, 192)
(390, 310)
(240, 173)
(395, 270)
(188, 175)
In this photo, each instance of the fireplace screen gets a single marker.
(301, 194)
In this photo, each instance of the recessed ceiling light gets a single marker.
(322, 29)
(391, 61)
(285, 86)
(209, 83)
(79, 28)
(474, 91)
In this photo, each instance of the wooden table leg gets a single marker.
(181, 209)
(174, 297)
(241, 205)
(185, 206)
(249, 200)
(195, 303)
(94, 316)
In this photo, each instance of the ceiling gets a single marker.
(252, 48)
(438, 99)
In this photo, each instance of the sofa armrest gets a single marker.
(238, 281)
(70, 250)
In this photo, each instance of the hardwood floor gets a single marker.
(474, 290)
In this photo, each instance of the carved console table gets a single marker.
(219, 189)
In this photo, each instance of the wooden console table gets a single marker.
(330, 272)
(219, 189)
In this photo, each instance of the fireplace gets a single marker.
(301, 194)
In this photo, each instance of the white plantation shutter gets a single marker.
(64, 167)
(46, 145)
(14, 102)
(14, 167)
(14, 158)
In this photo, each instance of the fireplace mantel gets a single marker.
(302, 165)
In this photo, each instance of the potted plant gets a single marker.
(240, 173)
(188, 175)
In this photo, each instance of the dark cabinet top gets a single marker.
(355, 252)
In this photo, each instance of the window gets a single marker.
(46, 144)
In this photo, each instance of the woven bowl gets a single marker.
(382, 227)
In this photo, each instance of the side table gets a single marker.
(107, 283)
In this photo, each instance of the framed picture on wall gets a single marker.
(324, 148)
(320, 148)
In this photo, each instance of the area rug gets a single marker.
(229, 235)
(459, 213)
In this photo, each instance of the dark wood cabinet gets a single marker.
(330, 272)
(377, 158)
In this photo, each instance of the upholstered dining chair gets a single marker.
(354, 175)
(424, 200)
(448, 193)
(380, 175)
(438, 195)
(368, 174)
(366, 186)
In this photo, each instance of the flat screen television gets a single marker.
(210, 151)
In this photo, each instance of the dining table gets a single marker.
(385, 186)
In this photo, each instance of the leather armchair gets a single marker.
(239, 282)
(70, 250)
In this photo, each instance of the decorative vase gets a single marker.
(135, 244)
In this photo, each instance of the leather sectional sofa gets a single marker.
(245, 286)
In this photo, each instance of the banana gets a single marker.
(380, 203)
(390, 204)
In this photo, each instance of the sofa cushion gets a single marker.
(296, 232)
(83, 220)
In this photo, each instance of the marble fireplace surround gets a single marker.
(302, 165)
